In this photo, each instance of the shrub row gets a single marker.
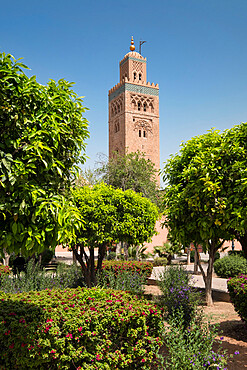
(237, 288)
(230, 266)
(160, 261)
(130, 266)
(78, 329)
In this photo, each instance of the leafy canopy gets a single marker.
(42, 135)
(112, 215)
(132, 171)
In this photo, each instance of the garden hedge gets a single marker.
(78, 329)
(230, 266)
(237, 288)
(130, 266)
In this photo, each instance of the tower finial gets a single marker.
(132, 46)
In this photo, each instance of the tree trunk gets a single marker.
(208, 277)
(196, 258)
(101, 255)
(243, 241)
(126, 253)
(188, 255)
(92, 267)
(6, 258)
(118, 250)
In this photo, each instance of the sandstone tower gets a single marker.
(134, 110)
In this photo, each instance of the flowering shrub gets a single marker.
(178, 294)
(237, 288)
(78, 328)
(191, 348)
(130, 266)
(4, 270)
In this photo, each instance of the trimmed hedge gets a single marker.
(160, 261)
(230, 266)
(237, 288)
(78, 329)
(130, 266)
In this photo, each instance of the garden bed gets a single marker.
(234, 331)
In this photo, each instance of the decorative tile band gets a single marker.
(138, 60)
(134, 88)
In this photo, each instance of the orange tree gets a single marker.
(195, 200)
(42, 140)
(109, 215)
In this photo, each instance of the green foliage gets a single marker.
(132, 171)
(230, 266)
(111, 256)
(137, 252)
(78, 328)
(160, 261)
(47, 256)
(192, 348)
(132, 267)
(124, 280)
(34, 278)
(196, 205)
(237, 288)
(167, 250)
(178, 294)
(236, 253)
(4, 270)
(42, 141)
(110, 215)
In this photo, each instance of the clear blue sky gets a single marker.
(196, 50)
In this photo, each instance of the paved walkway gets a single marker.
(218, 284)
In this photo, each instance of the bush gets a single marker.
(46, 256)
(160, 261)
(143, 268)
(236, 253)
(230, 266)
(4, 270)
(78, 329)
(111, 256)
(124, 280)
(178, 295)
(237, 288)
(192, 348)
(37, 279)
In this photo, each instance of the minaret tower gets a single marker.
(134, 110)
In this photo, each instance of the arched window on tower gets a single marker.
(140, 133)
(139, 106)
(144, 107)
(134, 75)
(140, 76)
(144, 134)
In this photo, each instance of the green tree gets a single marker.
(42, 136)
(195, 204)
(234, 181)
(132, 171)
(110, 215)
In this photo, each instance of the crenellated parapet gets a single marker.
(137, 87)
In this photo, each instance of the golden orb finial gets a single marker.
(132, 46)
